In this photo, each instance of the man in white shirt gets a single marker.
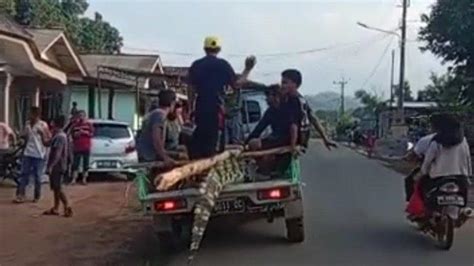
(37, 134)
(422, 145)
(417, 154)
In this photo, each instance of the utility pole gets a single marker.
(392, 73)
(401, 84)
(342, 83)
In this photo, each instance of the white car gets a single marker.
(113, 146)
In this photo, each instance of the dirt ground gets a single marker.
(107, 228)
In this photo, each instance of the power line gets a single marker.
(271, 55)
(343, 82)
(374, 70)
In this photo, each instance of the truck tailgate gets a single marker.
(247, 190)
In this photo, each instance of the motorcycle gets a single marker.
(445, 209)
(10, 164)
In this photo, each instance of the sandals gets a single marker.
(68, 212)
(52, 212)
(18, 200)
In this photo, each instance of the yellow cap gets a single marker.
(212, 42)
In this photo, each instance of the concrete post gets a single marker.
(5, 98)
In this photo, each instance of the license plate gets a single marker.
(229, 206)
(107, 164)
(450, 200)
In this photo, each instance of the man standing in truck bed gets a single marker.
(208, 77)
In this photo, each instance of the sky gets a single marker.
(321, 38)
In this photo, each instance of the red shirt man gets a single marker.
(81, 131)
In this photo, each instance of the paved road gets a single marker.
(353, 216)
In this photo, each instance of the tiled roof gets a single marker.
(137, 62)
(44, 37)
(174, 70)
(7, 24)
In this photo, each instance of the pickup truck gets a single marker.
(257, 196)
(172, 211)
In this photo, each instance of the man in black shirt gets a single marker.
(208, 77)
(283, 116)
(291, 80)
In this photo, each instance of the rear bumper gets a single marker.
(289, 208)
(247, 191)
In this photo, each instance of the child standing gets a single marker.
(57, 166)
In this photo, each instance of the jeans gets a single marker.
(30, 166)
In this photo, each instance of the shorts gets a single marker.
(56, 179)
(78, 157)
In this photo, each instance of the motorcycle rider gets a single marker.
(417, 154)
(448, 155)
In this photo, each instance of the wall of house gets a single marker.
(23, 95)
(79, 94)
(124, 103)
(3, 82)
(104, 104)
(125, 106)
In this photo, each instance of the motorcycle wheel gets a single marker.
(445, 233)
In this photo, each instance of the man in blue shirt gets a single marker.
(208, 77)
(150, 143)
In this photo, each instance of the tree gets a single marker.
(407, 93)
(448, 34)
(97, 36)
(372, 103)
(88, 35)
(23, 11)
(446, 90)
(8, 7)
(344, 124)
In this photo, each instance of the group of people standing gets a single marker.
(51, 149)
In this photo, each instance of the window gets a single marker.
(112, 131)
(251, 112)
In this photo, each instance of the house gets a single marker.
(411, 109)
(40, 67)
(35, 67)
(117, 86)
(179, 84)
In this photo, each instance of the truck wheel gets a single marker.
(182, 231)
(167, 241)
(178, 237)
(295, 230)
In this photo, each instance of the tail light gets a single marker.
(449, 188)
(130, 148)
(170, 205)
(274, 193)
